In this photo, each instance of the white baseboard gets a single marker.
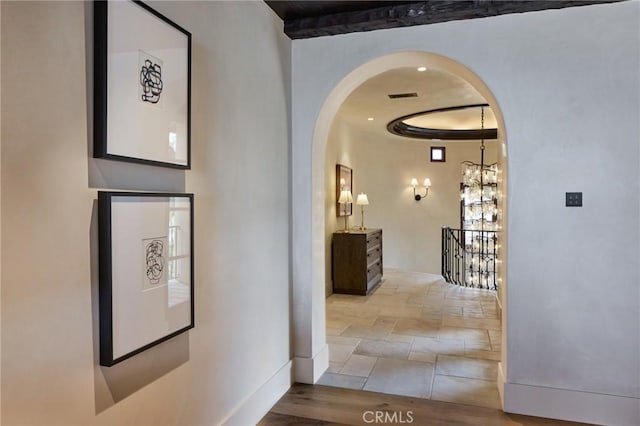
(309, 370)
(571, 405)
(255, 406)
(501, 379)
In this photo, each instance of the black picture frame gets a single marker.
(438, 154)
(148, 119)
(344, 181)
(132, 293)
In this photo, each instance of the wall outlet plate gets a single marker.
(573, 199)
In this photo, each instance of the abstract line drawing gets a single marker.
(151, 81)
(154, 256)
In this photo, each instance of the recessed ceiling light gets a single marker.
(422, 69)
(370, 119)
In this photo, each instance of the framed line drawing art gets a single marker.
(146, 264)
(344, 182)
(142, 86)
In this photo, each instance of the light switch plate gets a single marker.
(573, 199)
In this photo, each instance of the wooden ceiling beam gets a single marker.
(418, 13)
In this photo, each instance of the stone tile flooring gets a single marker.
(416, 335)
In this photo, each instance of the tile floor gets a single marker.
(416, 335)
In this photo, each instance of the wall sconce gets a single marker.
(426, 184)
(362, 201)
(345, 198)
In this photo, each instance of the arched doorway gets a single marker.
(309, 339)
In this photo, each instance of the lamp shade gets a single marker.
(427, 182)
(345, 197)
(362, 199)
(414, 182)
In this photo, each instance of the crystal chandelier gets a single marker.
(478, 192)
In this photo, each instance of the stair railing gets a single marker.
(469, 258)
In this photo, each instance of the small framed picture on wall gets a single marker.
(344, 191)
(438, 154)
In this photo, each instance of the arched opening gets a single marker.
(388, 326)
(310, 351)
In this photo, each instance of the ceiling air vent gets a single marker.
(402, 95)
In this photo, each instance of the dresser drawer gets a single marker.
(374, 239)
(374, 253)
(374, 276)
(373, 269)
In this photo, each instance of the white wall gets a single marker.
(567, 84)
(236, 362)
(383, 166)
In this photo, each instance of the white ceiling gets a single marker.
(435, 89)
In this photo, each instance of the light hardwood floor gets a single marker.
(323, 405)
(417, 336)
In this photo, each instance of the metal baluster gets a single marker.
(495, 256)
(442, 253)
